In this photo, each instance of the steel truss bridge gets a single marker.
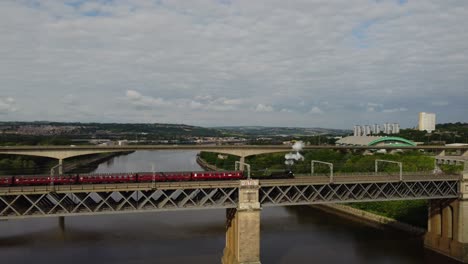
(94, 199)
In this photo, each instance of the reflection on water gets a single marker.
(288, 234)
(147, 160)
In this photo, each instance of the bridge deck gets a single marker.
(91, 199)
(298, 180)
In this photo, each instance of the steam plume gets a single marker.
(291, 157)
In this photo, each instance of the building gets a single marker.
(426, 122)
(375, 129)
(396, 128)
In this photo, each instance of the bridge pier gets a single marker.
(243, 227)
(464, 153)
(242, 161)
(447, 228)
(60, 167)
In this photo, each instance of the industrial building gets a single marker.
(374, 141)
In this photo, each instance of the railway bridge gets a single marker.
(243, 201)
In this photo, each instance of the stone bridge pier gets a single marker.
(243, 227)
(447, 225)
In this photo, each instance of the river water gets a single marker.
(298, 234)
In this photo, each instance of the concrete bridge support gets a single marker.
(242, 161)
(464, 153)
(60, 167)
(243, 227)
(440, 152)
(447, 231)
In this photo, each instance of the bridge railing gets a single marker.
(418, 173)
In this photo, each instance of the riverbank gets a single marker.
(205, 165)
(91, 163)
(369, 218)
(355, 214)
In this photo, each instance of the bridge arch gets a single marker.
(245, 153)
(60, 155)
(397, 140)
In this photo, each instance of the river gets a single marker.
(298, 234)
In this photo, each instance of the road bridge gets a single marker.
(452, 160)
(64, 152)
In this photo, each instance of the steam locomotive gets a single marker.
(32, 180)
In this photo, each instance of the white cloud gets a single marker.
(394, 110)
(139, 100)
(263, 108)
(316, 110)
(202, 103)
(7, 105)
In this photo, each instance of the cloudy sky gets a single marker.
(310, 63)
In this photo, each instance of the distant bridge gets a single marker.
(64, 152)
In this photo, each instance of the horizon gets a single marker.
(214, 126)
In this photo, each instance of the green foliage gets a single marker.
(445, 133)
(411, 212)
(451, 169)
(344, 162)
(14, 165)
(30, 140)
(412, 161)
(225, 163)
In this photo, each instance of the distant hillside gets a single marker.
(61, 128)
(280, 131)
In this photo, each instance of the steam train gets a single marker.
(7, 181)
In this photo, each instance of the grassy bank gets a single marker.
(411, 212)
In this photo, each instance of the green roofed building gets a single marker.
(375, 141)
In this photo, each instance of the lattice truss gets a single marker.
(354, 192)
(49, 204)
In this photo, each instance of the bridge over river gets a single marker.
(243, 200)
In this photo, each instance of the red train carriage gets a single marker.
(107, 178)
(6, 181)
(177, 176)
(31, 180)
(163, 176)
(120, 178)
(215, 175)
(43, 180)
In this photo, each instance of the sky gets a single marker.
(303, 63)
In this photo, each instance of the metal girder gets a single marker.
(83, 203)
(356, 192)
(215, 195)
